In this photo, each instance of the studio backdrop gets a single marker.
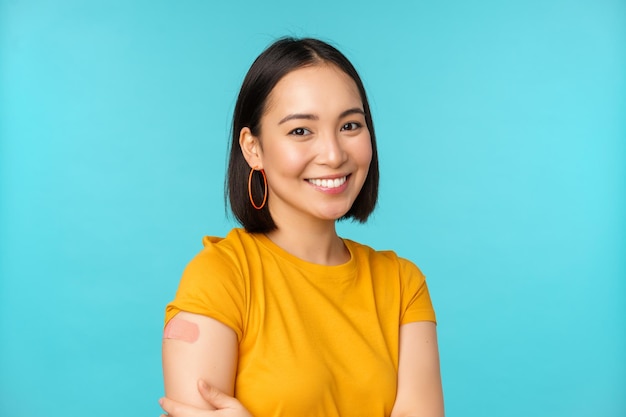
(502, 141)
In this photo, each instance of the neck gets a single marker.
(315, 242)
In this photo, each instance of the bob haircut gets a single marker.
(279, 59)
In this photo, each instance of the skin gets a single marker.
(313, 128)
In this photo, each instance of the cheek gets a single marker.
(363, 151)
(285, 160)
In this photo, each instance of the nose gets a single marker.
(331, 150)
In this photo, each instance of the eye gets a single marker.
(300, 131)
(351, 126)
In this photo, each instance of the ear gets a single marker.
(251, 148)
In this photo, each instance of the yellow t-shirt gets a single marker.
(314, 340)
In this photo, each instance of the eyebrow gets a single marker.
(305, 116)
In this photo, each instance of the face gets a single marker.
(314, 145)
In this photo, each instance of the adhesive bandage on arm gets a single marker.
(181, 329)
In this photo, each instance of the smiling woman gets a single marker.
(284, 317)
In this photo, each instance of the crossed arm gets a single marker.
(212, 358)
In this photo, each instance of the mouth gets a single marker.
(328, 182)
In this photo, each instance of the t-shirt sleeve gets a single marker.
(211, 285)
(416, 303)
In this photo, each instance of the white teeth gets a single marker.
(331, 183)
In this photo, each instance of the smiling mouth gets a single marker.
(328, 183)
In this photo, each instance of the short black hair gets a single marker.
(279, 59)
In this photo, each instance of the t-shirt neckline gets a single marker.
(334, 271)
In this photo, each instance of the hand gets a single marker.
(225, 405)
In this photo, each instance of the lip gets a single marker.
(330, 177)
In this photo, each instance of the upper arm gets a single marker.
(419, 392)
(212, 357)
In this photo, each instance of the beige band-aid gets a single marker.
(180, 329)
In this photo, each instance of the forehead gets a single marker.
(315, 88)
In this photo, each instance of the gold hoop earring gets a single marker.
(264, 189)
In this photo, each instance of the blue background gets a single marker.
(502, 138)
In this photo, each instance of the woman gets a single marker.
(284, 317)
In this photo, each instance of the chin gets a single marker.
(334, 215)
(330, 212)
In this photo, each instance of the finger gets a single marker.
(216, 397)
(174, 408)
